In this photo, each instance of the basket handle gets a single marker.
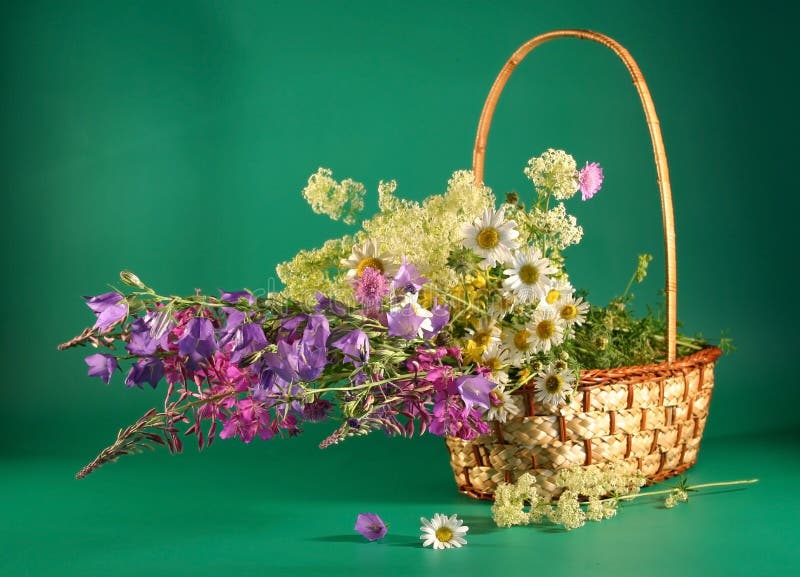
(662, 170)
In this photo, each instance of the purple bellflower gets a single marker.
(371, 526)
(110, 308)
(235, 296)
(404, 322)
(474, 390)
(142, 342)
(248, 339)
(408, 278)
(355, 346)
(146, 370)
(197, 341)
(101, 365)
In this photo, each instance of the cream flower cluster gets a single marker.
(576, 485)
(554, 172)
(336, 199)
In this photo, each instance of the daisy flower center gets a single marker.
(493, 364)
(528, 274)
(488, 238)
(569, 312)
(369, 262)
(444, 534)
(545, 329)
(552, 296)
(482, 338)
(521, 340)
(553, 384)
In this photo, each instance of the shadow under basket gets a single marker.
(650, 417)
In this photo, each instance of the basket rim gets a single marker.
(593, 378)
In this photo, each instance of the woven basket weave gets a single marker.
(650, 418)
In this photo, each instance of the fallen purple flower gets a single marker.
(370, 526)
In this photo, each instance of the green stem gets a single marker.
(689, 488)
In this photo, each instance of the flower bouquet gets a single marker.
(454, 316)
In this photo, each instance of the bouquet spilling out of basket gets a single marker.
(454, 316)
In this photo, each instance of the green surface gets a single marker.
(284, 510)
(173, 139)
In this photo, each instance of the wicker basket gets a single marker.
(650, 418)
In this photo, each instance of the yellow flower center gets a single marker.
(528, 274)
(444, 534)
(488, 238)
(569, 312)
(545, 329)
(521, 340)
(482, 338)
(369, 262)
(492, 364)
(552, 384)
(552, 296)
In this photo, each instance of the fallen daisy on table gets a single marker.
(443, 532)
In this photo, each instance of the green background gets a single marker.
(173, 139)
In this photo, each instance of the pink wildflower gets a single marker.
(590, 180)
(370, 288)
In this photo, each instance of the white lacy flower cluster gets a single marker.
(601, 488)
(336, 199)
(555, 173)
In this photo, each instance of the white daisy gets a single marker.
(368, 255)
(502, 405)
(443, 532)
(491, 237)
(485, 332)
(553, 386)
(527, 277)
(558, 292)
(518, 342)
(495, 357)
(547, 329)
(572, 311)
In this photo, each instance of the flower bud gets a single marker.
(131, 279)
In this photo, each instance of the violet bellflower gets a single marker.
(325, 304)
(235, 296)
(197, 341)
(248, 339)
(474, 390)
(142, 342)
(233, 320)
(146, 370)
(101, 365)
(110, 308)
(440, 317)
(371, 526)
(312, 348)
(408, 278)
(405, 322)
(355, 346)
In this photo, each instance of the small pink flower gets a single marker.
(590, 180)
